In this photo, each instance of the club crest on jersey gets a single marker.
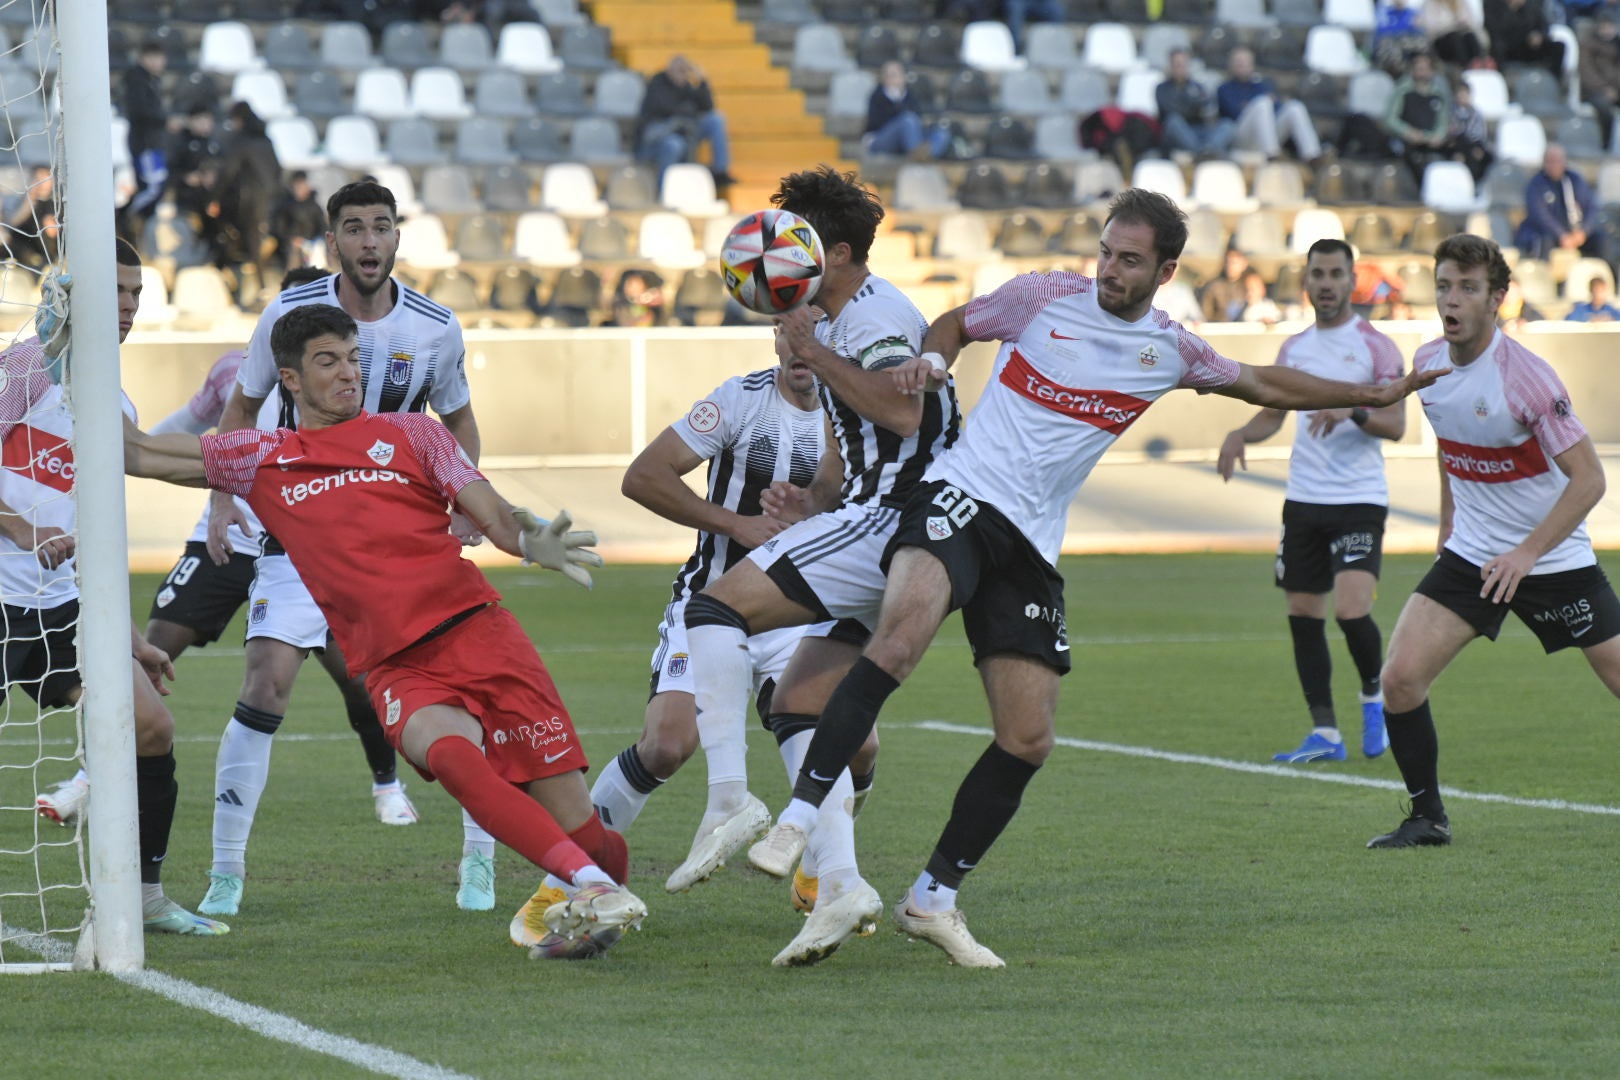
(166, 597)
(1560, 406)
(1148, 357)
(259, 612)
(381, 452)
(1481, 410)
(399, 368)
(677, 665)
(939, 528)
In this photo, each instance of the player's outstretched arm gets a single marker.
(516, 531)
(241, 411)
(175, 459)
(1586, 486)
(654, 480)
(1262, 426)
(1274, 387)
(871, 393)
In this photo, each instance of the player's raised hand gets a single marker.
(1232, 454)
(551, 545)
(787, 502)
(222, 514)
(1410, 383)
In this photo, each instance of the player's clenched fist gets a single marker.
(551, 545)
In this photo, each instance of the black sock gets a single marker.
(846, 721)
(1416, 746)
(379, 755)
(1366, 650)
(636, 772)
(155, 796)
(785, 725)
(265, 723)
(985, 803)
(1315, 666)
(863, 781)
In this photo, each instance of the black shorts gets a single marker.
(1572, 608)
(39, 654)
(1320, 541)
(1011, 598)
(201, 596)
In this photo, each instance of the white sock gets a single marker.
(614, 798)
(801, 815)
(1368, 699)
(833, 841)
(592, 875)
(241, 771)
(793, 752)
(1331, 734)
(930, 896)
(80, 777)
(721, 677)
(474, 838)
(152, 898)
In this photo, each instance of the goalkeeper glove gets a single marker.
(51, 322)
(551, 545)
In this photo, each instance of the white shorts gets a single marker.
(768, 653)
(831, 563)
(280, 607)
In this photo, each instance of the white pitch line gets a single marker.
(272, 1025)
(1283, 771)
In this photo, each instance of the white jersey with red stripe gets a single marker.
(202, 414)
(36, 480)
(1069, 379)
(1501, 421)
(1346, 465)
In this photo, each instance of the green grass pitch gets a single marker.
(1159, 918)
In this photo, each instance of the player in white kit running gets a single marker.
(1081, 360)
(1518, 475)
(1336, 503)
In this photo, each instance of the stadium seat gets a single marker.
(1206, 234)
(424, 244)
(1350, 14)
(437, 93)
(1279, 183)
(382, 93)
(227, 47)
(1578, 282)
(466, 46)
(1521, 139)
(1536, 91)
(120, 151)
(319, 95)
(405, 45)
(1164, 177)
(847, 97)
(200, 296)
(454, 289)
(1371, 234)
(632, 188)
(969, 92)
(1536, 282)
(1581, 137)
(1490, 92)
(988, 46)
(480, 238)
(1608, 183)
(964, 236)
(345, 46)
(618, 94)
(1332, 51)
(296, 142)
(1078, 235)
(1392, 185)
(1024, 93)
(1449, 186)
(264, 92)
(1428, 229)
(541, 238)
(1159, 41)
(1219, 185)
(585, 47)
(526, 48)
(1301, 13)
(575, 297)
(1244, 13)
(559, 12)
(875, 45)
(155, 311)
(1051, 46)
(938, 46)
(923, 187)
(1084, 91)
(1138, 91)
(1097, 180)
(562, 93)
(502, 93)
(414, 142)
(1417, 283)
(1009, 138)
(448, 189)
(689, 189)
(1130, 11)
(1370, 92)
(569, 188)
(352, 142)
(1109, 47)
(787, 12)
(481, 140)
(595, 140)
(985, 187)
(701, 297)
(1332, 185)
(1020, 237)
(819, 48)
(287, 47)
(1260, 233)
(538, 141)
(506, 189)
(665, 239)
(515, 288)
(1215, 45)
(1045, 187)
(1057, 138)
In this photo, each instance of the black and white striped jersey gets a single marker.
(410, 359)
(752, 436)
(880, 327)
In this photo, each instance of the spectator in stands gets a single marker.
(1261, 118)
(894, 123)
(30, 225)
(249, 181)
(678, 116)
(1397, 34)
(1519, 34)
(194, 172)
(1222, 299)
(1377, 295)
(1257, 306)
(147, 109)
(1600, 307)
(1419, 115)
(298, 222)
(1453, 30)
(448, 11)
(638, 300)
(1187, 113)
(1599, 68)
(1466, 138)
(1560, 211)
(1017, 13)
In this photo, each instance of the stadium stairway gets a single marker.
(771, 131)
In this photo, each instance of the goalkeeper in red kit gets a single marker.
(362, 503)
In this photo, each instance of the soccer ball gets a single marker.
(772, 261)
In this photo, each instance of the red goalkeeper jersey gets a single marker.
(361, 508)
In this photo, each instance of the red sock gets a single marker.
(605, 846)
(506, 813)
